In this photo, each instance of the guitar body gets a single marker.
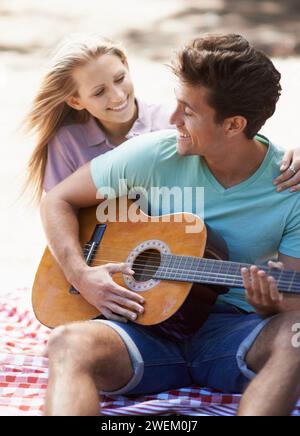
(167, 303)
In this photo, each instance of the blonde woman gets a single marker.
(86, 106)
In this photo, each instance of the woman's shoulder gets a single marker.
(155, 115)
(65, 136)
(73, 135)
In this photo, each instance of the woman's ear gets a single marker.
(235, 125)
(74, 103)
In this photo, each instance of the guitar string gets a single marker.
(219, 264)
(179, 258)
(176, 256)
(203, 275)
(153, 268)
(192, 258)
(207, 262)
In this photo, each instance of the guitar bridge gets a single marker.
(90, 248)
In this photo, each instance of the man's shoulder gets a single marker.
(278, 151)
(158, 137)
(158, 142)
(140, 151)
(273, 160)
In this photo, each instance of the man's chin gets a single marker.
(182, 151)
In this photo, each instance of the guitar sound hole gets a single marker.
(146, 264)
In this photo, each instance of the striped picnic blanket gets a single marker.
(24, 374)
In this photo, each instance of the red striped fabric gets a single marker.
(24, 374)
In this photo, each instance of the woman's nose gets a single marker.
(117, 95)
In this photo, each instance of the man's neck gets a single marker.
(237, 161)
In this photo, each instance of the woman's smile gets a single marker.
(120, 107)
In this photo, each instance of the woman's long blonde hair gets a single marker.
(49, 109)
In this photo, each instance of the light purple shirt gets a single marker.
(75, 144)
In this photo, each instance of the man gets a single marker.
(226, 91)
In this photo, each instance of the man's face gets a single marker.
(198, 133)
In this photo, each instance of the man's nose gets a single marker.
(176, 118)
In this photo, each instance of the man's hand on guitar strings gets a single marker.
(116, 303)
(262, 291)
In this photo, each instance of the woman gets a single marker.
(86, 106)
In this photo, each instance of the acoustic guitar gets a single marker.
(180, 274)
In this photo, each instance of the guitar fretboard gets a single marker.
(217, 272)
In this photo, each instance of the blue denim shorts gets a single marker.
(213, 357)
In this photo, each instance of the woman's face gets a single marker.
(105, 90)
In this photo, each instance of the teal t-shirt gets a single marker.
(255, 220)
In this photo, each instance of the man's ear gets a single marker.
(74, 103)
(234, 126)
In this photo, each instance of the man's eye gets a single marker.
(188, 114)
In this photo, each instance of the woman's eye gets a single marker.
(99, 93)
(120, 79)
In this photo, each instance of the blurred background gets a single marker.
(150, 30)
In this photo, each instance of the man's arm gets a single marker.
(289, 262)
(59, 216)
(290, 302)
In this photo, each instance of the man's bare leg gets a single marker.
(84, 358)
(276, 388)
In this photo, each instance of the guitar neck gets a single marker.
(218, 272)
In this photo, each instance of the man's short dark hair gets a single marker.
(240, 79)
